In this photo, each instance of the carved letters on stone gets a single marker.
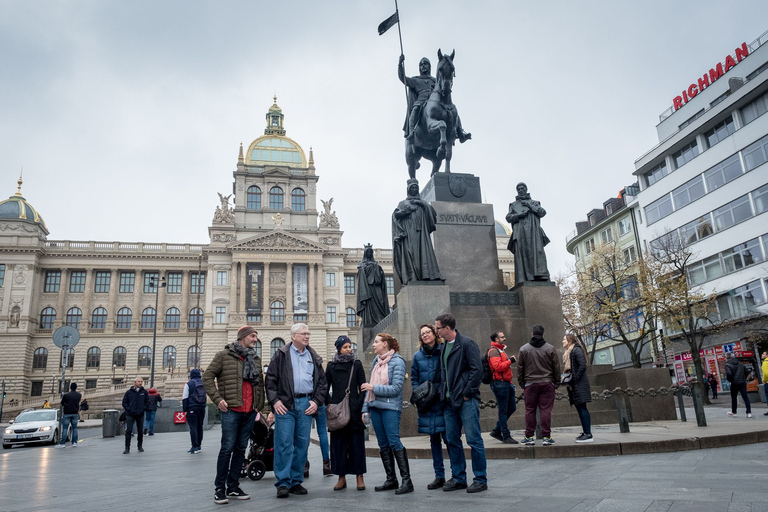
(484, 299)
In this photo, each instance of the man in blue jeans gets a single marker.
(296, 387)
(71, 404)
(459, 374)
(234, 383)
(502, 387)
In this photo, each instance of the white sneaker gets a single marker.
(749, 415)
(731, 413)
(74, 445)
(60, 446)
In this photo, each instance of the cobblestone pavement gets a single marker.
(95, 476)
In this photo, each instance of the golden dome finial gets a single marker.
(18, 191)
(274, 98)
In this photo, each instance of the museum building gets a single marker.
(272, 259)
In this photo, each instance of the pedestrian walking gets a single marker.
(736, 374)
(83, 408)
(296, 387)
(347, 443)
(431, 419)
(384, 403)
(579, 391)
(135, 403)
(234, 382)
(193, 401)
(70, 403)
(149, 417)
(712, 380)
(502, 387)
(460, 373)
(764, 369)
(538, 373)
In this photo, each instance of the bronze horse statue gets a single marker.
(439, 124)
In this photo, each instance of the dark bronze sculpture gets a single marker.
(412, 222)
(528, 239)
(433, 123)
(372, 300)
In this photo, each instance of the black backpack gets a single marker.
(487, 372)
(196, 393)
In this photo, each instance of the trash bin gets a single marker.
(109, 423)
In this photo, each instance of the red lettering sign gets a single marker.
(707, 79)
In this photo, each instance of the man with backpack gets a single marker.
(193, 403)
(500, 367)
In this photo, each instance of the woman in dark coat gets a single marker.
(348, 443)
(579, 392)
(431, 421)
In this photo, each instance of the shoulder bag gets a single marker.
(337, 415)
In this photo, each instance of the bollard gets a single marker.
(680, 404)
(621, 407)
(698, 406)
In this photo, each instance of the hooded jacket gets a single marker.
(538, 362)
(735, 372)
(194, 381)
(154, 399)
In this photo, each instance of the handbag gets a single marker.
(424, 394)
(566, 377)
(338, 415)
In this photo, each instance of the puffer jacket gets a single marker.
(389, 396)
(735, 372)
(223, 379)
(580, 392)
(423, 368)
(501, 364)
(154, 399)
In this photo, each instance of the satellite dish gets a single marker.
(66, 336)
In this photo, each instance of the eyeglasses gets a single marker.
(302, 333)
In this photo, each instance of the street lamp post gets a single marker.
(197, 322)
(153, 284)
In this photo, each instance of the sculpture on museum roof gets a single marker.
(328, 218)
(412, 253)
(433, 123)
(528, 239)
(372, 300)
(223, 213)
(278, 220)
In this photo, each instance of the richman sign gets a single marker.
(709, 78)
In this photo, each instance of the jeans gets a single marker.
(195, 420)
(69, 420)
(506, 404)
(291, 443)
(235, 431)
(765, 388)
(435, 442)
(735, 390)
(586, 420)
(541, 396)
(386, 424)
(322, 432)
(467, 416)
(129, 422)
(149, 421)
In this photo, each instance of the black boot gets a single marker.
(327, 467)
(405, 472)
(389, 468)
(127, 443)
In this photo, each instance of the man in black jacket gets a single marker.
(460, 373)
(736, 374)
(135, 402)
(71, 405)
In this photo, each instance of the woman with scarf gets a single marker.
(579, 392)
(348, 443)
(384, 403)
(431, 420)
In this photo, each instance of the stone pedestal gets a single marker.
(418, 303)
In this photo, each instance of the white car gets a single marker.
(33, 426)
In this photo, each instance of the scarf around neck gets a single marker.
(567, 359)
(250, 370)
(380, 373)
(343, 358)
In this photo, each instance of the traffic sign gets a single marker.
(66, 336)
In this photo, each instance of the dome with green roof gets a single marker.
(274, 148)
(17, 208)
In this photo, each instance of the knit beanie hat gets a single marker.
(245, 331)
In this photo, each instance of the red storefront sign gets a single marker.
(709, 78)
(180, 417)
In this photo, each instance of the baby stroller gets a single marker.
(260, 455)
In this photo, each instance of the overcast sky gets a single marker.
(127, 116)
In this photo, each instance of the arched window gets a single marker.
(172, 318)
(74, 316)
(124, 316)
(277, 312)
(257, 348)
(70, 358)
(40, 359)
(99, 319)
(47, 317)
(118, 357)
(298, 200)
(93, 358)
(276, 198)
(253, 198)
(275, 345)
(193, 357)
(145, 356)
(351, 317)
(169, 357)
(148, 318)
(195, 318)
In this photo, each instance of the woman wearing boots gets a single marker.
(431, 420)
(384, 402)
(348, 443)
(579, 392)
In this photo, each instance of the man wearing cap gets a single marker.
(234, 383)
(296, 387)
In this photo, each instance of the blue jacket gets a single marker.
(423, 369)
(135, 401)
(464, 371)
(389, 396)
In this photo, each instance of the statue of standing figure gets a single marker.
(412, 253)
(372, 300)
(528, 239)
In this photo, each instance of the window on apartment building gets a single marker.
(685, 154)
(720, 132)
(696, 229)
(576, 253)
(127, 280)
(630, 255)
(756, 154)
(590, 245)
(760, 197)
(221, 278)
(103, 279)
(174, 282)
(743, 255)
(349, 285)
(745, 299)
(705, 270)
(732, 213)
(221, 314)
(659, 209)
(724, 172)
(656, 173)
(330, 279)
(755, 109)
(606, 236)
(625, 226)
(77, 281)
(688, 192)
